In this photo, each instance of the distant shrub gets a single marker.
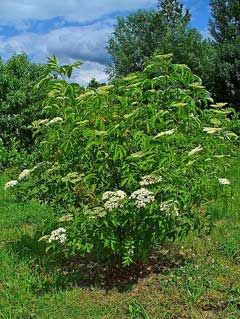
(20, 103)
(11, 156)
(3, 153)
(129, 165)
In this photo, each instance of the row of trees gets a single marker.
(168, 29)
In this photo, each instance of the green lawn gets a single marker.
(201, 281)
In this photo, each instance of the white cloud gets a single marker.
(69, 43)
(88, 71)
(15, 11)
(86, 43)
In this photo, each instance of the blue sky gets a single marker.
(73, 29)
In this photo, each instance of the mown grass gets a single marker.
(202, 282)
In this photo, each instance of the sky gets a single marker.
(73, 29)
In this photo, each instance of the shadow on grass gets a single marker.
(59, 273)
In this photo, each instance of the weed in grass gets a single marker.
(137, 311)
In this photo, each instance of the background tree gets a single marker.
(190, 48)
(166, 30)
(225, 22)
(225, 29)
(94, 84)
(134, 39)
(173, 12)
(19, 102)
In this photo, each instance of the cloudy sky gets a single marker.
(73, 29)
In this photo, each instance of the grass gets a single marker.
(203, 281)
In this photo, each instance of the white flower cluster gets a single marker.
(24, 174)
(46, 122)
(55, 120)
(42, 122)
(164, 133)
(212, 130)
(66, 218)
(195, 150)
(73, 177)
(168, 207)
(150, 180)
(142, 197)
(224, 181)
(58, 235)
(165, 207)
(10, 184)
(113, 199)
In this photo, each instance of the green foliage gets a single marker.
(205, 275)
(94, 84)
(137, 311)
(3, 153)
(131, 162)
(133, 40)
(166, 30)
(11, 156)
(20, 104)
(224, 24)
(173, 12)
(225, 30)
(189, 47)
(226, 86)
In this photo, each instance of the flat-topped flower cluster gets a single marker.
(47, 122)
(150, 180)
(10, 184)
(23, 175)
(58, 235)
(113, 200)
(142, 197)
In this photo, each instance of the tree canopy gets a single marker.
(225, 30)
(165, 30)
(168, 30)
(225, 22)
(19, 101)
